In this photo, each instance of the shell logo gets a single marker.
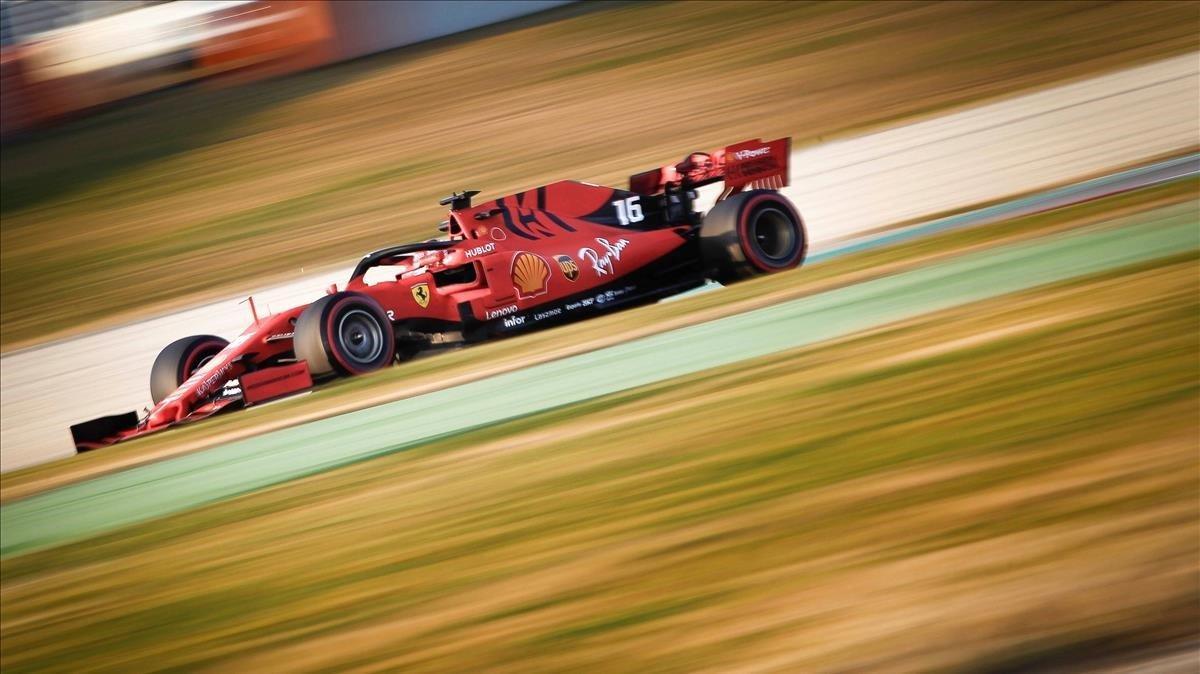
(530, 275)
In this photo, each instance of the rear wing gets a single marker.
(753, 164)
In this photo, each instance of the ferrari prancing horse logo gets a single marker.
(420, 293)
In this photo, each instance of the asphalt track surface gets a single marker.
(154, 490)
(843, 188)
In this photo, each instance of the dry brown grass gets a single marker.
(184, 194)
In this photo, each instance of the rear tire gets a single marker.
(344, 334)
(756, 232)
(179, 360)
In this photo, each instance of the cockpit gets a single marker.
(434, 256)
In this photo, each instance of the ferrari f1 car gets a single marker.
(545, 256)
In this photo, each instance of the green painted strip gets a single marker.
(84, 509)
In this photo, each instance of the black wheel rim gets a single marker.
(201, 363)
(360, 336)
(773, 235)
(199, 359)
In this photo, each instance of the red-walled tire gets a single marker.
(344, 334)
(756, 232)
(179, 360)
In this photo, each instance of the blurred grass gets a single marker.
(1000, 483)
(190, 192)
(448, 369)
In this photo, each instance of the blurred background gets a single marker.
(64, 57)
(254, 181)
(1004, 484)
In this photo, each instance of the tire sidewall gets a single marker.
(317, 342)
(198, 356)
(751, 205)
(727, 251)
(178, 360)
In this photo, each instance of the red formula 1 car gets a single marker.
(545, 256)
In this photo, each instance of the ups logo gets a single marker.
(567, 266)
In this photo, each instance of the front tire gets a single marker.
(179, 360)
(344, 334)
(756, 232)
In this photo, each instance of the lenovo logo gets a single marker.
(502, 311)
